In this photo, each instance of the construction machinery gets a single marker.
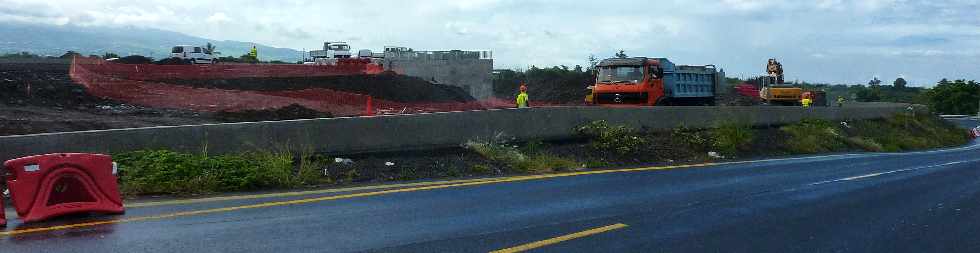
(192, 54)
(332, 52)
(653, 81)
(773, 89)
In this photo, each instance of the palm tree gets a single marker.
(210, 48)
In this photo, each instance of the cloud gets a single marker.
(218, 17)
(293, 33)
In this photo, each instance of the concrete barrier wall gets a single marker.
(473, 75)
(386, 133)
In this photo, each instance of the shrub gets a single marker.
(544, 163)
(513, 158)
(731, 137)
(865, 144)
(907, 132)
(813, 136)
(693, 139)
(169, 172)
(497, 152)
(621, 140)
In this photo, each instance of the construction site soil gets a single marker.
(387, 86)
(666, 148)
(40, 97)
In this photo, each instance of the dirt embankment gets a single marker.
(43, 84)
(388, 86)
(40, 97)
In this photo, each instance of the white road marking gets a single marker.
(890, 172)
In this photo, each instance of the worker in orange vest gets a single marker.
(522, 97)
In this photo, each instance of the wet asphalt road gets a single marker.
(911, 202)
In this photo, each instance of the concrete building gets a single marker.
(469, 70)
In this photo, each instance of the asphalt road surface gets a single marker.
(910, 202)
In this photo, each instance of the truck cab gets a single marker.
(192, 54)
(653, 81)
(331, 50)
(637, 81)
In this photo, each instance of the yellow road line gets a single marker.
(300, 193)
(374, 187)
(542, 243)
(346, 196)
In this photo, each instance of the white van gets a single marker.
(192, 54)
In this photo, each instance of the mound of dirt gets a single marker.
(170, 61)
(551, 85)
(293, 111)
(43, 84)
(390, 87)
(134, 59)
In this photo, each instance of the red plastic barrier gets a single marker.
(47, 186)
(3, 213)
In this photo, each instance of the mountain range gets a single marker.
(55, 40)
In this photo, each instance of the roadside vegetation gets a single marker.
(599, 145)
(168, 172)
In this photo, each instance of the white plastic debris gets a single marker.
(389, 164)
(844, 124)
(714, 154)
(343, 160)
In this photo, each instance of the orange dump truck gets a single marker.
(653, 81)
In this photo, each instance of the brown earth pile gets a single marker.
(386, 86)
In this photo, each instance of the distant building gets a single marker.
(469, 70)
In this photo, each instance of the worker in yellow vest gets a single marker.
(806, 102)
(522, 97)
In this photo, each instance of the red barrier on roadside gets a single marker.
(47, 186)
(3, 212)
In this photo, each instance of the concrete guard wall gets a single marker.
(473, 75)
(387, 133)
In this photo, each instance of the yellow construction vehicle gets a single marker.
(774, 91)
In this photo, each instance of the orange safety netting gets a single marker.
(145, 84)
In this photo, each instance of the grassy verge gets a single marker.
(895, 134)
(168, 172)
(529, 160)
(600, 145)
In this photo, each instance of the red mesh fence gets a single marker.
(144, 84)
(154, 72)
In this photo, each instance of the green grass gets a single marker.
(169, 172)
(731, 137)
(895, 134)
(906, 132)
(812, 136)
(621, 140)
(513, 158)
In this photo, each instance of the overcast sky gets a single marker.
(835, 41)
